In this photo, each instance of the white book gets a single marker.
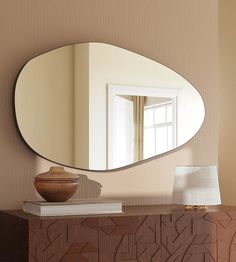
(73, 207)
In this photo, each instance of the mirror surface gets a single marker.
(96, 106)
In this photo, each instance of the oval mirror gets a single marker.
(98, 107)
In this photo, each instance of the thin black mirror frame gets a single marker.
(99, 170)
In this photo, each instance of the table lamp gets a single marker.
(196, 186)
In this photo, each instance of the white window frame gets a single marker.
(166, 124)
(114, 89)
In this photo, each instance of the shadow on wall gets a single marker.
(143, 200)
(88, 188)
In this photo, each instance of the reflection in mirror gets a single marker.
(96, 106)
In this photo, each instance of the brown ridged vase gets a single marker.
(56, 185)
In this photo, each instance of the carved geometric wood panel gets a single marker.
(177, 237)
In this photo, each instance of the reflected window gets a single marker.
(159, 128)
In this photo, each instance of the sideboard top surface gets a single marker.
(133, 211)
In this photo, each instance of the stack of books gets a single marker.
(73, 207)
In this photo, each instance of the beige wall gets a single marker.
(179, 34)
(227, 70)
(81, 105)
(45, 101)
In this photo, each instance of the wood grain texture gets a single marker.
(184, 237)
(13, 233)
(178, 236)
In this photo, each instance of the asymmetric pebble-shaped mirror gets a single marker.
(96, 106)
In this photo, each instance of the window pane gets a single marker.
(161, 140)
(170, 137)
(169, 113)
(160, 115)
(148, 117)
(149, 143)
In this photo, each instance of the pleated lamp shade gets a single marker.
(196, 186)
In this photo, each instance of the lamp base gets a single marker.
(191, 207)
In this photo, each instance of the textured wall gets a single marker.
(179, 34)
(227, 141)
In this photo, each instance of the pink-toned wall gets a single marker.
(227, 105)
(179, 34)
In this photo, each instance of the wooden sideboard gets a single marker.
(141, 233)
